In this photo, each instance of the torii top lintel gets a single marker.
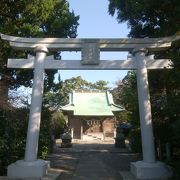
(72, 44)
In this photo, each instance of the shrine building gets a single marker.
(91, 114)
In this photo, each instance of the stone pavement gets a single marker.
(88, 160)
(93, 160)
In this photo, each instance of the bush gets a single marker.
(13, 127)
(45, 138)
(135, 140)
(58, 124)
(13, 131)
(175, 162)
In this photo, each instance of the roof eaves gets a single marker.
(67, 106)
(119, 108)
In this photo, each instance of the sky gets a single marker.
(95, 22)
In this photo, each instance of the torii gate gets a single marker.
(90, 60)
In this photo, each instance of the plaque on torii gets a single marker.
(90, 49)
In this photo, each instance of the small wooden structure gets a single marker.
(91, 115)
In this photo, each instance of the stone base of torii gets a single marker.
(31, 167)
(155, 170)
(24, 169)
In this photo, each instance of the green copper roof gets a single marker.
(91, 104)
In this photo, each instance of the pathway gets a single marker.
(95, 160)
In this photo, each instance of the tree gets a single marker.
(59, 94)
(101, 85)
(58, 124)
(37, 18)
(27, 18)
(13, 125)
(126, 94)
(150, 18)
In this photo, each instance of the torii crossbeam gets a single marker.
(90, 60)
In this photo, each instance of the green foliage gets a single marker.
(59, 94)
(175, 161)
(148, 18)
(52, 125)
(135, 140)
(100, 85)
(27, 18)
(58, 124)
(176, 136)
(36, 18)
(122, 116)
(45, 140)
(126, 94)
(157, 18)
(13, 127)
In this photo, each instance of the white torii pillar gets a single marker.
(148, 148)
(148, 168)
(31, 166)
